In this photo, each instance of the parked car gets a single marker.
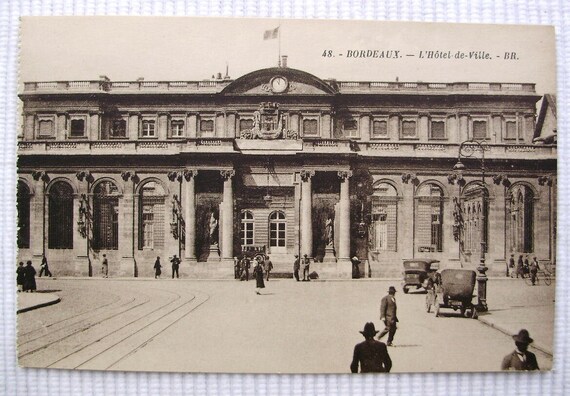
(419, 273)
(453, 288)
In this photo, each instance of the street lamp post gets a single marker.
(467, 149)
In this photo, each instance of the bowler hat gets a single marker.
(391, 289)
(523, 337)
(355, 258)
(369, 330)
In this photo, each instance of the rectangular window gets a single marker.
(77, 128)
(148, 129)
(379, 129)
(45, 128)
(310, 127)
(119, 129)
(350, 128)
(177, 128)
(206, 127)
(245, 124)
(408, 129)
(479, 129)
(437, 130)
(510, 130)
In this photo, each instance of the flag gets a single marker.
(271, 34)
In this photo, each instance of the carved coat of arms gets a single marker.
(268, 124)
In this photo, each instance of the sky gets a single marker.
(182, 48)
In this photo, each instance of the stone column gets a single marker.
(191, 128)
(306, 213)
(228, 215)
(189, 202)
(38, 214)
(344, 217)
(220, 125)
(133, 132)
(364, 126)
(423, 127)
(463, 127)
(496, 128)
(231, 130)
(29, 123)
(126, 227)
(94, 126)
(394, 127)
(61, 131)
(326, 129)
(162, 126)
(496, 222)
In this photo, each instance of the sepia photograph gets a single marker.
(234, 195)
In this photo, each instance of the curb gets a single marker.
(44, 304)
(535, 345)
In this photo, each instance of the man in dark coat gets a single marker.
(175, 264)
(268, 267)
(246, 264)
(520, 358)
(29, 277)
(371, 354)
(44, 268)
(20, 276)
(520, 267)
(511, 264)
(157, 268)
(258, 275)
(306, 268)
(388, 315)
(296, 267)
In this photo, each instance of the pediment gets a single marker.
(279, 81)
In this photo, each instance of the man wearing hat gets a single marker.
(388, 315)
(306, 264)
(296, 267)
(371, 354)
(520, 358)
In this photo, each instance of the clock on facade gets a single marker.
(279, 84)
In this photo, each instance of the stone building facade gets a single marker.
(280, 160)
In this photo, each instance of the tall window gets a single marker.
(476, 220)
(60, 214)
(408, 129)
(479, 129)
(379, 128)
(106, 216)
(521, 216)
(23, 203)
(437, 130)
(119, 129)
(277, 228)
(246, 231)
(310, 127)
(46, 128)
(384, 228)
(151, 216)
(510, 130)
(177, 128)
(148, 128)
(429, 218)
(77, 128)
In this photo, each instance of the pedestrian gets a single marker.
(258, 275)
(526, 266)
(175, 265)
(521, 358)
(296, 267)
(29, 278)
(105, 267)
(534, 267)
(20, 276)
(388, 309)
(268, 266)
(520, 267)
(306, 266)
(355, 267)
(511, 264)
(157, 268)
(372, 355)
(44, 269)
(236, 268)
(246, 266)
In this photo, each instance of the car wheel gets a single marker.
(405, 290)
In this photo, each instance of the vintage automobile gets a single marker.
(453, 288)
(419, 273)
(254, 251)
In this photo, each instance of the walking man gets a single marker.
(245, 267)
(520, 358)
(268, 267)
(534, 267)
(520, 267)
(175, 264)
(105, 267)
(44, 269)
(157, 268)
(296, 267)
(371, 354)
(511, 264)
(388, 315)
(306, 266)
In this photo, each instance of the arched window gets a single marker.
(277, 233)
(384, 227)
(520, 218)
(151, 216)
(60, 216)
(23, 203)
(429, 218)
(246, 231)
(106, 216)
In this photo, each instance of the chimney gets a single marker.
(219, 76)
(283, 60)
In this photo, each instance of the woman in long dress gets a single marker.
(258, 274)
(20, 276)
(30, 278)
(157, 270)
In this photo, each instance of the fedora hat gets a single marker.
(391, 289)
(369, 330)
(523, 337)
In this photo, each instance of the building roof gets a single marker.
(548, 104)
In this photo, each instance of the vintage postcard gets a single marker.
(285, 196)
